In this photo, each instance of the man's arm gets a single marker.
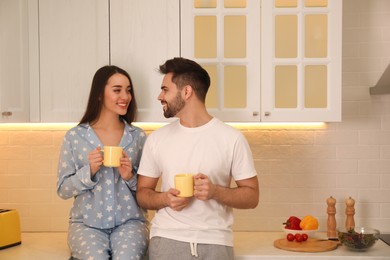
(244, 196)
(149, 198)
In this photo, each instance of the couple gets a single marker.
(107, 220)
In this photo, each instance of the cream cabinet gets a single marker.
(14, 61)
(301, 60)
(224, 37)
(73, 44)
(269, 60)
(143, 35)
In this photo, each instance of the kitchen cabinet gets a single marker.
(301, 60)
(144, 34)
(269, 61)
(66, 41)
(74, 43)
(224, 37)
(14, 61)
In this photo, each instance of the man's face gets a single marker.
(170, 97)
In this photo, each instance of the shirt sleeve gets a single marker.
(148, 166)
(72, 181)
(243, 165)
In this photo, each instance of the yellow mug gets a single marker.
(184, 182)
(112, 156)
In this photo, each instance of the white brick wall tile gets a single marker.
(350, 79)
(358, 181)
(31, 138)
(385, 180)
(350, 20)
(3, 138)
(276, 180)
(385, 151)
(350, 109)
(292, 138)
(338, 166)
(3, 197)
(368, 35)
(288, 166)
(370, 108)
(370, 79)
(367, 210)
(374, 137)
(374, 166)
(373, 196)
(379, 19)
(8, 181)
(336, 138)
(362, 151)
(350, 50)
(386, 108)
(313, 152)
(313, 181)
(360, 123)
(355, 93)
(377, 49)
(385, 210)
(29, 167)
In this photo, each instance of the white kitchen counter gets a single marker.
(248, 246)
(260, 245)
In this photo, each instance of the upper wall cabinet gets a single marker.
(224, 37)
(73, 44)
(144, 34)
(269, 60)
(301, 60)
(295, 77)
(14, 61)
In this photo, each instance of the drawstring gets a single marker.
(194, 249)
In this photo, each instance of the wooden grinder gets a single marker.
(350, 212)
(331, 210)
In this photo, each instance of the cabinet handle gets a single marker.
(6, 113)
(267, 113)
(255, 113)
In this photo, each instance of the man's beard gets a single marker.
(174, 107)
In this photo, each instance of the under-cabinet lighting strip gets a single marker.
(156, 125)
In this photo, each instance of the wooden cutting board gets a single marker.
(310, 245)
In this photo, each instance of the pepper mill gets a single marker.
(331, 210)
(350, 212)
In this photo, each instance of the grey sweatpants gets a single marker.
(168, 249)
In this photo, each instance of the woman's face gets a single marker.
(117, 95)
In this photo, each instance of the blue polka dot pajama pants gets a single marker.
(127, 241)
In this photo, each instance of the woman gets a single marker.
(105, 220)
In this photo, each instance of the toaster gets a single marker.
(9, 228)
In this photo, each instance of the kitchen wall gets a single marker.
(299, 167)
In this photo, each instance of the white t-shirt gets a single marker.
(214, 149)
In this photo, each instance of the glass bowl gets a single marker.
(358, 238)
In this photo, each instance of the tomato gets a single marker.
(298, 237)
(290, 237)
(304, 237)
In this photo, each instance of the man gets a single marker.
(197, 227)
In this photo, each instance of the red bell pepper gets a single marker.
(293, 223)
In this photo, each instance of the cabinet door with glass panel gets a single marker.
(224, 37)
(301, 60)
